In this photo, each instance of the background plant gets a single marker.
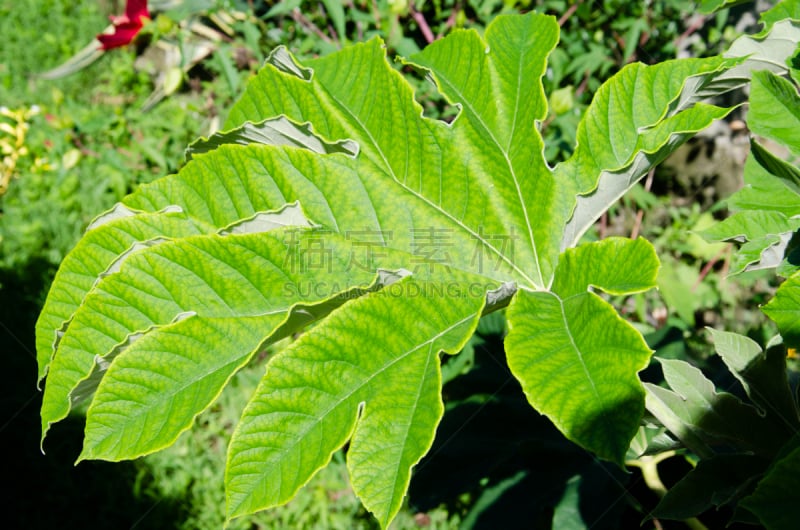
(747, 452)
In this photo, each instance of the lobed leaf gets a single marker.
(433, 166)
(192, 275)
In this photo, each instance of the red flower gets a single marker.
(127, 26)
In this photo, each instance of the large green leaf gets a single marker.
(576, 358)
(434, 168)
(172, 291)
(166, 308)
(636, 119)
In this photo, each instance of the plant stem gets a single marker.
(303, 21)
(419, 18)
(568, 13)
(707, 267)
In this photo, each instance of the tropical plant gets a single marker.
(331, 204)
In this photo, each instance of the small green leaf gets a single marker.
(615, 265)
(768, 50)
(789, 174)
(750, 225)
(784, 10)
(576, 358)
(784, 309)
(635, 120)
(673, 277)
(765, 236)
(672, 412)
(650, 440)
(762, 191)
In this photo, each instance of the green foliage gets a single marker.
(710, 6)
(396, 232)
(768, 203)
(737, 441)
(747, 444)
(85, 149)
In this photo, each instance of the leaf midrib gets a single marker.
(575, 346)
(464, 101)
